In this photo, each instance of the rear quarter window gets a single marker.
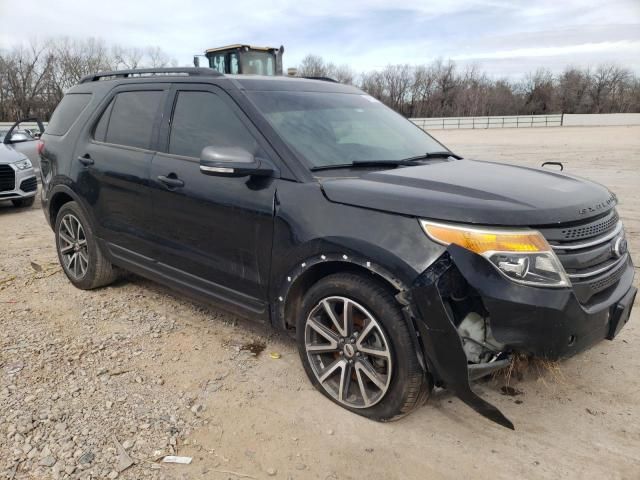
(67, 112)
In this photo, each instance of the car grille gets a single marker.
(29, 185)
(587, 252)
(7, 178)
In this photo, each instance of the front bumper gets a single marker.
(545, 322)
(25, 186)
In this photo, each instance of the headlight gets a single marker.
(23, 164)
(523, 256)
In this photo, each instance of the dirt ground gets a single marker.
(92, 381)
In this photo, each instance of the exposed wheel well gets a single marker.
(58, 200)
(314, 274)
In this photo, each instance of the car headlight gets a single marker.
(523, 256)
(23, 164)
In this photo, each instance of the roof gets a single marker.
(106, 80)
(238, 45)
(285, 83)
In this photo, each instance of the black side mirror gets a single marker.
(232, 162)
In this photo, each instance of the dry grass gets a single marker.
(524, 365)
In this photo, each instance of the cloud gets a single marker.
(363, 33)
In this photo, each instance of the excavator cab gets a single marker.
(244, 59)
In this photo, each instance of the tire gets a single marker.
(401, 384)
(24, 202)
(91, 269)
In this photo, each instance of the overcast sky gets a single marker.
(505, 37)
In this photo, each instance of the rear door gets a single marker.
(113, 168)
(215, 232)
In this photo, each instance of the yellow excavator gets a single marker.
(243, 59)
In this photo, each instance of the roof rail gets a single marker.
(149, 72)
(324, 79)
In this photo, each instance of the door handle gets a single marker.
(171, 181)
(86, 160)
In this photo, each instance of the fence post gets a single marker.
(562, 119)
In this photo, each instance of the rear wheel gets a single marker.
(23, 202)
(357, 350)
(78, 251)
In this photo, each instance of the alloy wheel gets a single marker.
(72, 244)
(348, 352)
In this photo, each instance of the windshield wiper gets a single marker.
(364, 164)
(411, 161)
(429, 155)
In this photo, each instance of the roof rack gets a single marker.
(150, 72)
(324, 79)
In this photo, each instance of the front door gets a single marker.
(215, 233)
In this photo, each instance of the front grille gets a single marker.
(7, 178)
(588, 255)
(29, 185)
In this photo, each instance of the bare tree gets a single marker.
(34, 77)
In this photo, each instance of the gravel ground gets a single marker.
(102, 384)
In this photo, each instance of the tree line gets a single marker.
(35, 76)
(441, 89)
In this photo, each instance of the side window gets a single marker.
(202, 119)
(234, 66)
(132, 118)
(217, 62)
(100, 132)
(67, 112)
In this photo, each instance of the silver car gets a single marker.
(18, 177)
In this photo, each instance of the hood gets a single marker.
(9, 155)
(472, 191)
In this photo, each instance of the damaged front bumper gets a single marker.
(545, 322)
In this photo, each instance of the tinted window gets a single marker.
(67, 112)
(100, 132)
(202, 119)
(132, 118)
(340, 128)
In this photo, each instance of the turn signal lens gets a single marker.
(481, 241)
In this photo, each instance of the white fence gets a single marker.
(510, 121)
(530, 121)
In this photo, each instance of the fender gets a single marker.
(68, 190)
(441, 342)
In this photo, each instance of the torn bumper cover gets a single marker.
(546, 322)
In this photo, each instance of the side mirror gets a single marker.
(19, 138)
(196, 61)
(232, 162)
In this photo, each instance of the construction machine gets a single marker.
(243, 59)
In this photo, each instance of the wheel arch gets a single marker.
(297, 282)
(59, 196)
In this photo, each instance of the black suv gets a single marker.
(309, 205)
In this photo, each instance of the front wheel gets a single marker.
(357, 349)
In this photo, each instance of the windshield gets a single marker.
(258, 63)
(341, 128)
(2, 134)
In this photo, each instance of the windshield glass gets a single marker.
(341, 128)
(2, 134)
(258, 63)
